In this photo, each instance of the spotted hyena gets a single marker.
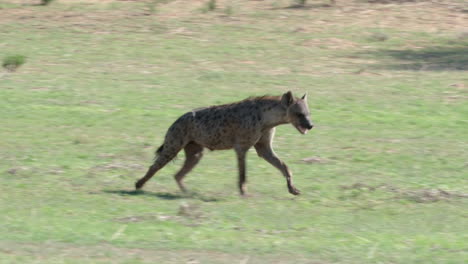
(237, 126)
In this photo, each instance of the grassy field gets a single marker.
(383, 175)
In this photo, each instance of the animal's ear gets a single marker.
(304, 97)
(287, 99)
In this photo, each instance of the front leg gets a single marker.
(265, 151)
(241, 154)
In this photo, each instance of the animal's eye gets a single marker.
(300, 115)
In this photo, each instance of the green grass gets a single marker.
(12, 62)
(103, 82)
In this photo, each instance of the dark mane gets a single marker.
(263, 98)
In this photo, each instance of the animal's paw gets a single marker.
(139, 184)
(243, 190)
(293, 190)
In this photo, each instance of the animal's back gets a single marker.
(221, 126)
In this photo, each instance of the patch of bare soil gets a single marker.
(189, 214)
(118, 166)
(18, 170)
(424, 16)
(418, 195)
(315, 160)
(107, 253)
(458, 93)
(331, 43)
(142, 218)
(430, 195)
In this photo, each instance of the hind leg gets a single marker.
(167, 155)
(193, 154)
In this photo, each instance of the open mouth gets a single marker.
(303, 130)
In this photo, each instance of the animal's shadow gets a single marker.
(164, 195)
(303, 7)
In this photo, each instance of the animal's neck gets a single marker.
(274, 114)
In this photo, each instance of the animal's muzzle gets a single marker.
(307, 124)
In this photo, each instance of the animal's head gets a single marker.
(297, 112)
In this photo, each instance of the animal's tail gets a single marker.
(158, 151)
